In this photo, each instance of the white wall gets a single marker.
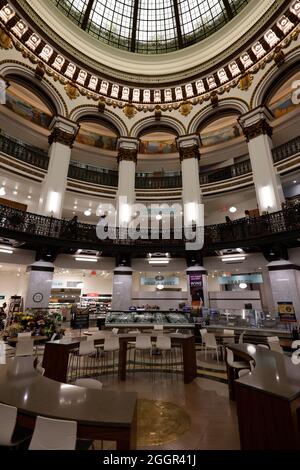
(235, 300)
(11, 284)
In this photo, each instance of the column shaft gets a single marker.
(127, 158)
(39, 285)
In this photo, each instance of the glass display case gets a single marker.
(148, 319)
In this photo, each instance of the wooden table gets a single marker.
(100, 415)
(36, 339)
(56, 355)
(268, 399)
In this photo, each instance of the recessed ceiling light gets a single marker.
(88, 212)
(243, 285)
(233, 210)
(2, 191)
(159, 217)
(295, 182)
(29, 197)
(15, 193)
(75, 207)
(160, 287)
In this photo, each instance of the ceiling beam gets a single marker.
(178, 26)
(87, 15)
(134, 25)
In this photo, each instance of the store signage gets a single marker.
(238, 279)
(196, 289)
(159, 280)
(286, 312)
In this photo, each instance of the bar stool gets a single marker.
(111, 347)
(53, 434)
(24, 347)
(10, 434)
(143, 347)
(88, 353)
(164, 346)
(211, 344)
(236, 365)
(203, 333)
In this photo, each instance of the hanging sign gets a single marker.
(196, 289)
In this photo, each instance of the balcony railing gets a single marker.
(21, 224)
(286, 150)
(101, 176)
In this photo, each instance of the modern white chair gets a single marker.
(25, 335)
(241, 337)
(93, 329)
(274, 346)
(40, 369)
(273, 339)
(53, 434)
(237, 365)
(115, 331)
(20, 366)
(110, 348)
(158, 329)
(89, 383)
(243, 372)
(143, 348)
(24, 347)
(164, 347)
(86, 355)
(264, 346)
(203, 333)
(8, 431)
(230, 336)
(211, 345)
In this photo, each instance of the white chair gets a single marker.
(9, 435)
(89, 383)
(25, 335)
(230, 336)
(237, 365)
(203, 332)
(20, 366)
(211, 345)
(87, 354)
(40, 369)
(53, 434)
(158, 329)
(241, 337)
(24, 347)
(273, 339)
(115, 331)
(276, 347)
(164, 347)
(143, 346)
(93, 329)
(243, 372)
(110, 348)
(264, 346)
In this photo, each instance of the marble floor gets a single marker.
(213, 417)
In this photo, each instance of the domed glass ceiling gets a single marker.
(150, 26)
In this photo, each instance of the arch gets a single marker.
(108, 118)
(209, 113)
(25, 76)
(274, 79)
(166, 123)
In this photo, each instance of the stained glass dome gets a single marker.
(150, 26)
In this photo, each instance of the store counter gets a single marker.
(100, 415)
(268, 399)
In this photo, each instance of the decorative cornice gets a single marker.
(186, 153)
(261, 127)
(129, 155)
(62, 137)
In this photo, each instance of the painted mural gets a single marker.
(158, 147)
(283, 106)
(220, 136)
(96, 140)
(26, 110)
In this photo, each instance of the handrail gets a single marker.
(95, 175)
(241, 230)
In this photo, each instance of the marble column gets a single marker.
(55, 183)
(127, 159)
(258, 132)
(122, 289)
(193, 210)
(39, 284)
(285, 284)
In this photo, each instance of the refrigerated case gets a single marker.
(147, 319)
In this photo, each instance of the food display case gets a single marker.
(148, 319)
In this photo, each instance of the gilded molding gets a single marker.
(186, 153)
(261, 127)
(62, 137)
(129, 155)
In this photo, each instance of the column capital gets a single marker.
(188, 146)
(128, 149)
(63, 131)
(256, 123)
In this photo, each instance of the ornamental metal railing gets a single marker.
(100, 176)
(285, 222)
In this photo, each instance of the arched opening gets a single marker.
(98, 134)
(158, 142)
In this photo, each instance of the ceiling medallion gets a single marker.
(185, 108)
(72, 91)
(129, 110)
(5, 40)
(245, 81)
